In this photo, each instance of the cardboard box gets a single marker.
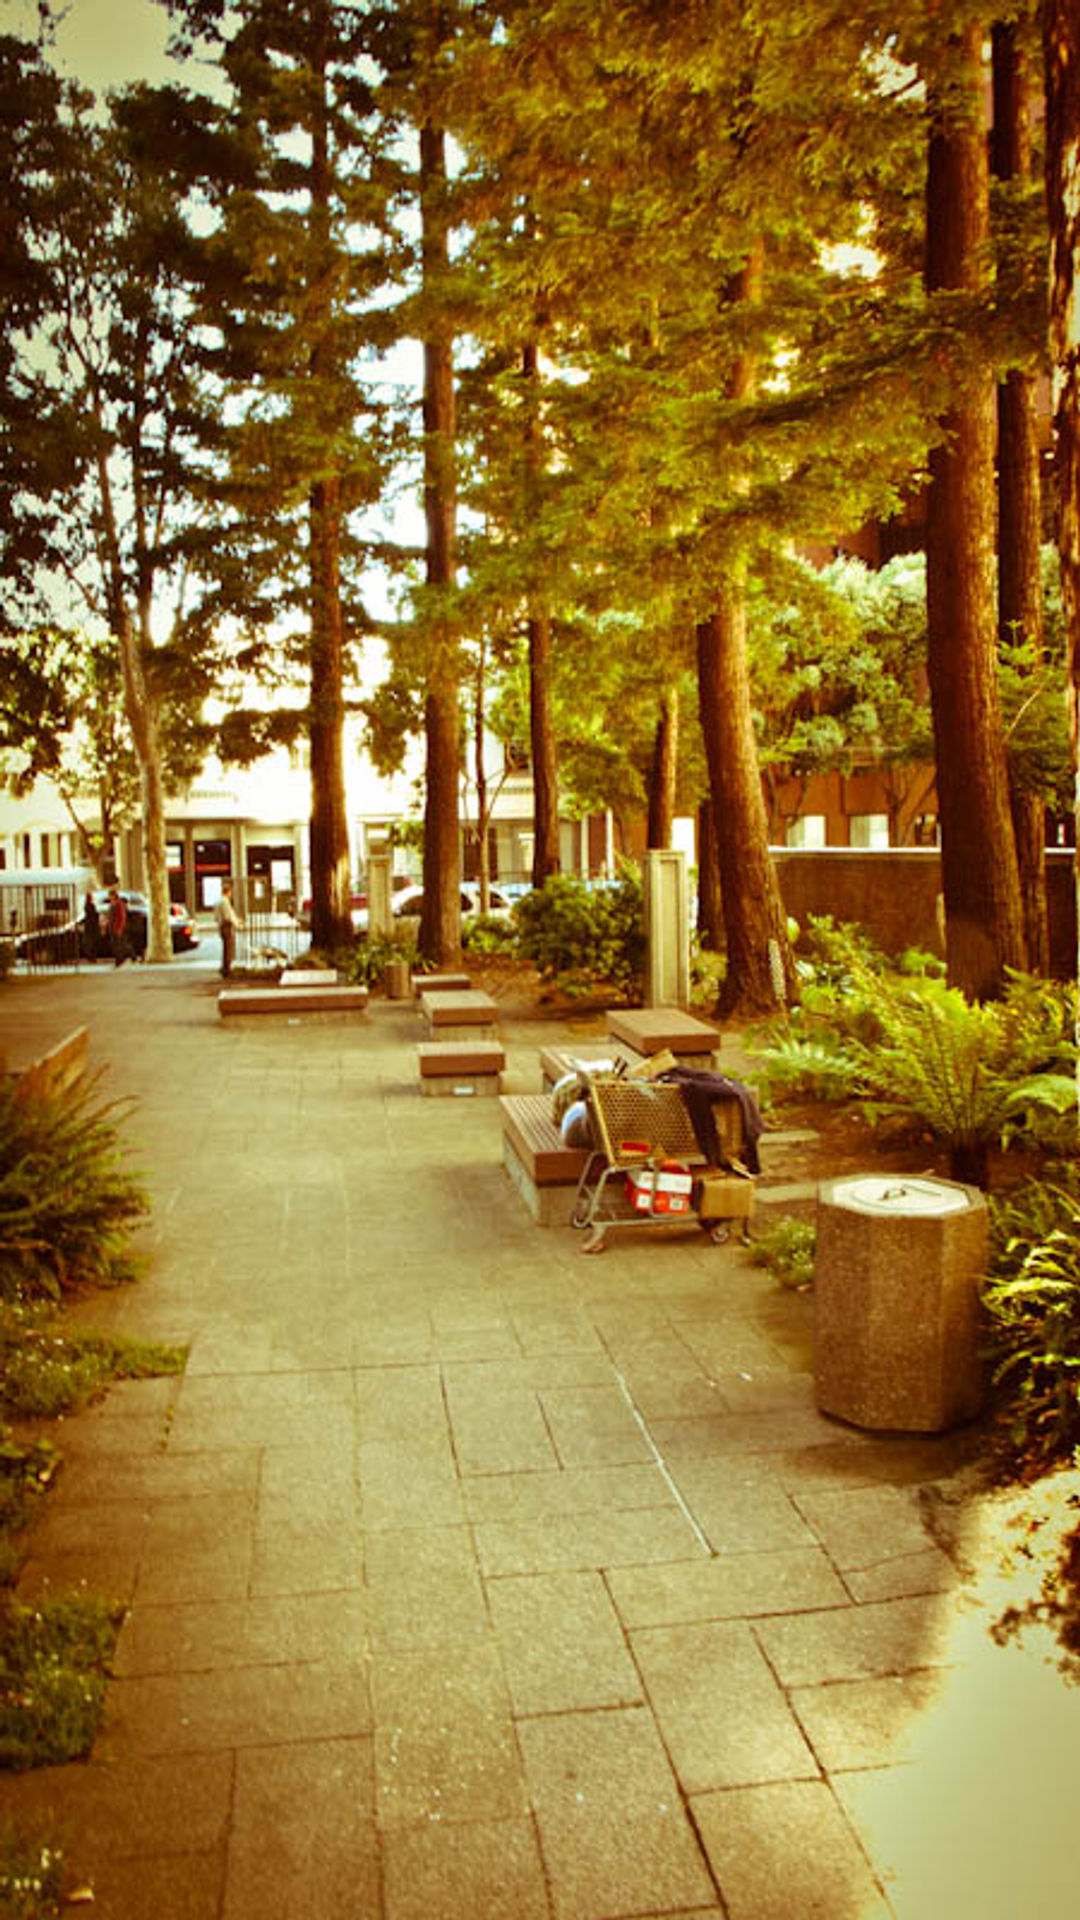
(725, 1196)
(662, 1191)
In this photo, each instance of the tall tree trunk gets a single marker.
(1061, 54)
(331, 922)
(760, 973)
(665, 764)
(1019, 501)
(980, 881)
(710, 907)
(546, 860)
(440, 921)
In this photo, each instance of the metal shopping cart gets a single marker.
(646, 1168)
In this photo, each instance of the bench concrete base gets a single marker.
(325, 1004)
(451, 1067)
(544, 1172)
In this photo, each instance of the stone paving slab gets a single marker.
(614, 1832)
(786, 1849)
(469, 1578)
(723, 1717)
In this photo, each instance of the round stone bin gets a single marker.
(897, 1272)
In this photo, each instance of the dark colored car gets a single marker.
(184, 936)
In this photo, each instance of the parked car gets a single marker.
(182, 926)
(410, 902)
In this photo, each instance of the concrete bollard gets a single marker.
(897, 1273)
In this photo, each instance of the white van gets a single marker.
(46, 902)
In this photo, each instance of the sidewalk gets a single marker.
(472, 1579)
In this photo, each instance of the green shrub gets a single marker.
(53, 1671)
(67, 1204)
(788, 1250)
(1032, 1302)
(913, 1050)
(365, 963)
(488, 933)
(581, 937)
(45, 1371)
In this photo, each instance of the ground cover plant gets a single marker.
(1032, 1302)
(31, 1876)
(916, 1053)
(54, 1663)
(787, 1250)
(580, 937)
(67, 1201)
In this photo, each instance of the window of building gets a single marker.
(809, 830)
(869, 830)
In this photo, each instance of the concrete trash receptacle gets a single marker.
(397, 980)
(897, 1274)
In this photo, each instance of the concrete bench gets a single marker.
(460, 1066)
(323, 1005)
(440, 983)
(544, 1171)
(648, 1030)
(307, 977)
(557, 1061)
(458, 1016)
(57, 1070)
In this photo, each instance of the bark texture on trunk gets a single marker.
(980, 881)
(664, 771)
(1061, 57)
(1019, 497)
(546, 857)
(760, 973)
(331, 922)
(440, 922)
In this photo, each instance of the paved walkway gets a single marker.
(472, 1579)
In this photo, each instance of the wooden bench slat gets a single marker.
(437, 1057)
(234, 1000)
(535, 1139)
(652, 1029)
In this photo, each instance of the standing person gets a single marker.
(91, 927)
(227, 921)
(116, 927)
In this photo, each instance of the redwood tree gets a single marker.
(1019, 492)
(983, 923)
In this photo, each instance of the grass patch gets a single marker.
(31, 1875)
(46, 1371)
(788, 1250)
(54, 1661)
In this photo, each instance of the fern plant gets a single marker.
(1032, 1302)
(911, 1048)
(67, 1203)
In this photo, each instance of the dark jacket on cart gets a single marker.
(699, 1088)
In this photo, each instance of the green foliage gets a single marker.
(582, 937)
(45, 1371)
(26, 1468)
(53, 1670)
(788, 1250)
(1032, 1301)
(67, 1204)
(488, 933)
(365, 963)
(914, 1050)
(31, 1875)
